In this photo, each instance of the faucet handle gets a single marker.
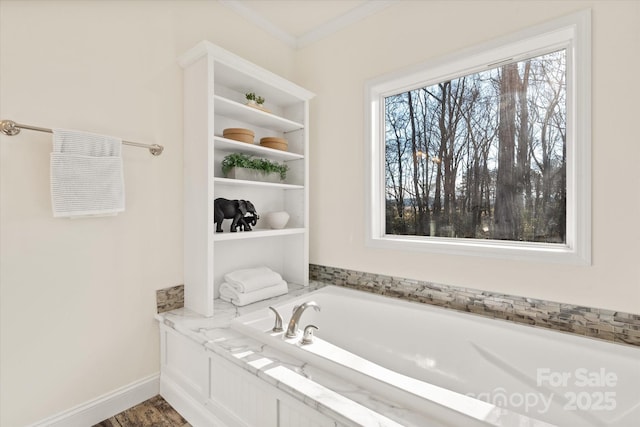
(307, 337)
(277, 327)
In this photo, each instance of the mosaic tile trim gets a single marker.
(170, 298)
(608, 325)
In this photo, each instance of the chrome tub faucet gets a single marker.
(277, 327)
(292, 330)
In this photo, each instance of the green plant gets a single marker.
(251, 96)
(239, 160)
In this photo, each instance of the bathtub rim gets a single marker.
(264, 316)
(556, 334)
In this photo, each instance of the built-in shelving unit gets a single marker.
(215, 83)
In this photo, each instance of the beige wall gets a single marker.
(78, 296)
(411, 32)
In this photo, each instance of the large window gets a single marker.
(486, 152)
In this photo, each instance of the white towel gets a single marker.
(86, 174)
(228, 293)
(252, 279)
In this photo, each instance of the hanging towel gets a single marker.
(251, 279)
(228, 293)
(86, 174)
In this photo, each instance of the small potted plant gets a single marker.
(255, 101)
(243, 166)
(251, 99)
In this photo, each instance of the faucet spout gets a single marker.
(292, 330)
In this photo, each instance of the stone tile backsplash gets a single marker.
(609, 325)
(170, 298)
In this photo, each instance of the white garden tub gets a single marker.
(461, 369)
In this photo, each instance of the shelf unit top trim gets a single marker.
(232, 60)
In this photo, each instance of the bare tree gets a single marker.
(394, 154)
(506, 221)
(481, 156)
(420, 217)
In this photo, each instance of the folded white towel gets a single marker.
(228, 293)
(86, 174)
(252, 279)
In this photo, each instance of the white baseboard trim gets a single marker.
(191, 410)
(105, 406)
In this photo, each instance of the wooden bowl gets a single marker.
(275, 143)
(239, 134)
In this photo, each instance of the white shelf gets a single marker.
(269, 85)
(244, 183)
(235, 110)
(256, 234)
(225, 144)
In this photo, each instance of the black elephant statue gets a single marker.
(246, 222)
(234, 210)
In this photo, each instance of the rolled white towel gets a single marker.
(230, 294)
(252, 279)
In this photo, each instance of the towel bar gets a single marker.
(9, 127)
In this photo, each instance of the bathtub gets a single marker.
(460, 369)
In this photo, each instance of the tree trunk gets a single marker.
(419, 220)
(506, 213)
(524, 159)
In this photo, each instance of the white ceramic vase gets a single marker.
(277, 220)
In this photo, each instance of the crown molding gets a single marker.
(354, 15)
(343, 21)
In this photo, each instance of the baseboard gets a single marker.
(105, 406)
(191, 410)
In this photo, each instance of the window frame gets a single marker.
(573, 33)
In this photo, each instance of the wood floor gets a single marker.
(155, 412)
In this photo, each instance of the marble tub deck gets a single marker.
(335, 397)
(332, 396)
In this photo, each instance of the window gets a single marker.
(487, 152)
